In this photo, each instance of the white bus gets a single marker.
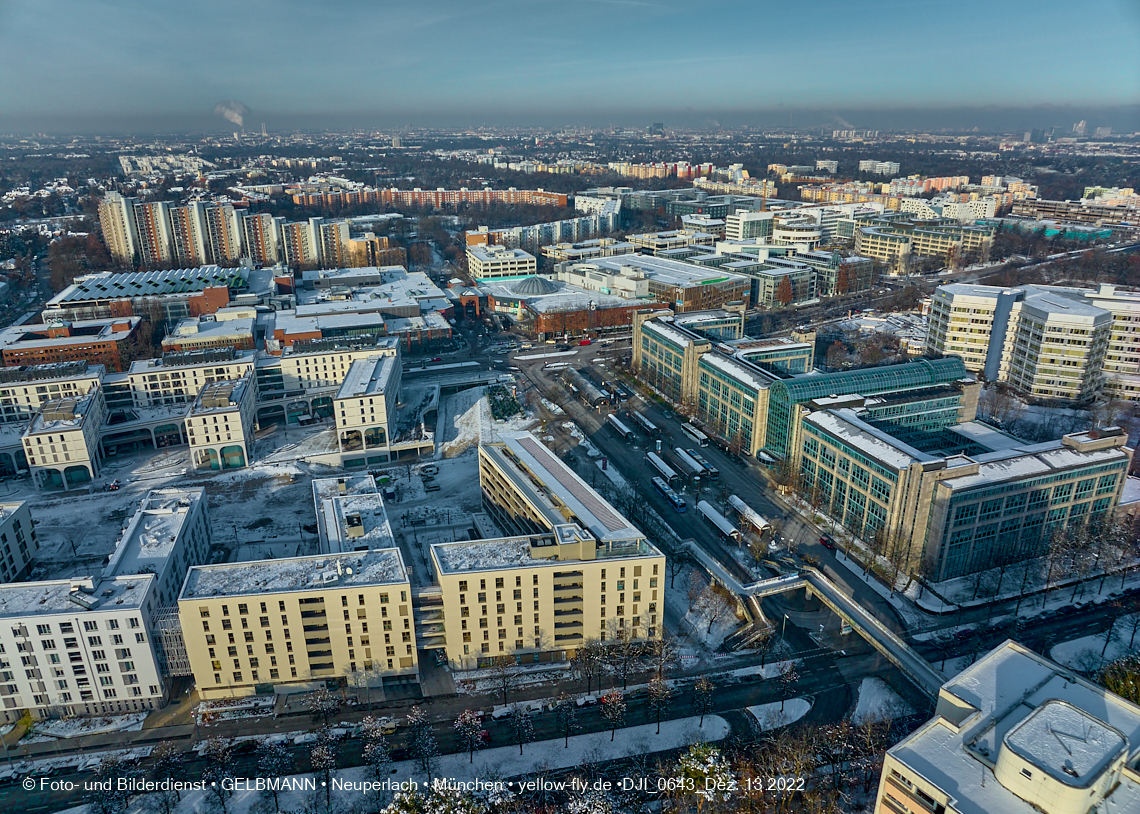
(699, 437)
(667, 472)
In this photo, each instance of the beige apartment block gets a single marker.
(292, 624)
(62, 441)
(221, 422)
(493, 262)
(366, 403)
(572, 570)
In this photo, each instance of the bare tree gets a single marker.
(613, 710)
(788, 681)
(659, 696)
(696, 587)
(421, 740)
(703, 697)
(273, 760)
(717, 602)
(323, 703)
(662, 654)
(587, 662)
(624, 654)
(469, 732)
(504, 675)
(323, 760)
(521, 726)
(377, 753)
(218, 771)
(112, 800)
(567, 718)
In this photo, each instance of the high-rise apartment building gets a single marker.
(1048, 342)
(261, 237)
(155, 242)
(117, 220)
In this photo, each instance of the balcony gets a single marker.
(568, 612)
(317, 654)
(568, 586)
(312, 642)
(313, 614)
(315, 628)
(558, 625)
(568, 600)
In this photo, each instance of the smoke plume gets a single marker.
(233, 111)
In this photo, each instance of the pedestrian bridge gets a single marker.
(917, 669)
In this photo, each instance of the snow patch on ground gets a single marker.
(77, 727)
(1085, 654)
(770, 716)
(499, 762)
(878, 702)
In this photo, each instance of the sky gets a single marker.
(106, 65)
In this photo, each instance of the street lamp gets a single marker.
(784, 626)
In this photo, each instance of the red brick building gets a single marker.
(96, 341)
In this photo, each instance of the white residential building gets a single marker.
(1048, 342)
(495, 262)
(350, 514)
(18, 543)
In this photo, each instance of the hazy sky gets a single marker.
(73, 64)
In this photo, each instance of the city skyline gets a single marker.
(885, 64)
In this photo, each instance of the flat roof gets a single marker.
(38, 599)
(737, 369)
(666, 271)
(367, 377)
(486, 254)
(120, 285)
(1004, 692)
(846, 425)
(151, 533)
(324, 571)
(555, 479)
(220, 397)
(76, 406)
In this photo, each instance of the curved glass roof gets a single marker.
(871, 381)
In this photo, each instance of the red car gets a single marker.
(585, 342)
(827, 542)
(437, 359)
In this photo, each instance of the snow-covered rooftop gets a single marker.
(845, 424)
(1015, 699)
(357, 568)
(38, 599)
(368, 377)
(149, 538)
(740, 371)
(546, 476)
(663, 329)
(664, 270)
(1066, 742)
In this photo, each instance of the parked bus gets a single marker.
(711, 472)
(728, 530)
(648, 426)
(667, 472)
(625, 432)
(689, 468)
(749, 515)
(675, 499)
(701, 439)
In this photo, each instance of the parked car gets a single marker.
(827, 542)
